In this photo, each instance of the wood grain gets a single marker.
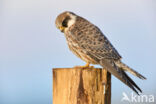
(81, 86)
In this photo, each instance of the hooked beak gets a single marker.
(61, 28)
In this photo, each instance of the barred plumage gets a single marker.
(87, 42)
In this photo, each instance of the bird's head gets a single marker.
(65, 20)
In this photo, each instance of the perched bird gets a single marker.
(88, 42)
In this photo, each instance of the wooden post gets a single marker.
(81, 86)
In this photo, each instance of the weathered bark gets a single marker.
(81, 86)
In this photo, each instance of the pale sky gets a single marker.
(31, 45)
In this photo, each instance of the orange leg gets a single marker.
(85, 66)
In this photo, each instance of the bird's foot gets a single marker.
(84, 67)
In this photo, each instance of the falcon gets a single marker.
(88, 43)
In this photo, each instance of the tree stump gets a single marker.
(81, 86)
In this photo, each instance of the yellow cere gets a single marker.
(61, 28)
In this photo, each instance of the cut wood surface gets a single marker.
(81, 86)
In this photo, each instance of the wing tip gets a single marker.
(132, 84)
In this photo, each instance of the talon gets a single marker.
(84, 67)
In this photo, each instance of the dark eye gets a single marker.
(65, 21)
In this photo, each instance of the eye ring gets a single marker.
(65, 21)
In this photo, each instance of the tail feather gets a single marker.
(132, 82)
(123, 66)
(120, 74)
